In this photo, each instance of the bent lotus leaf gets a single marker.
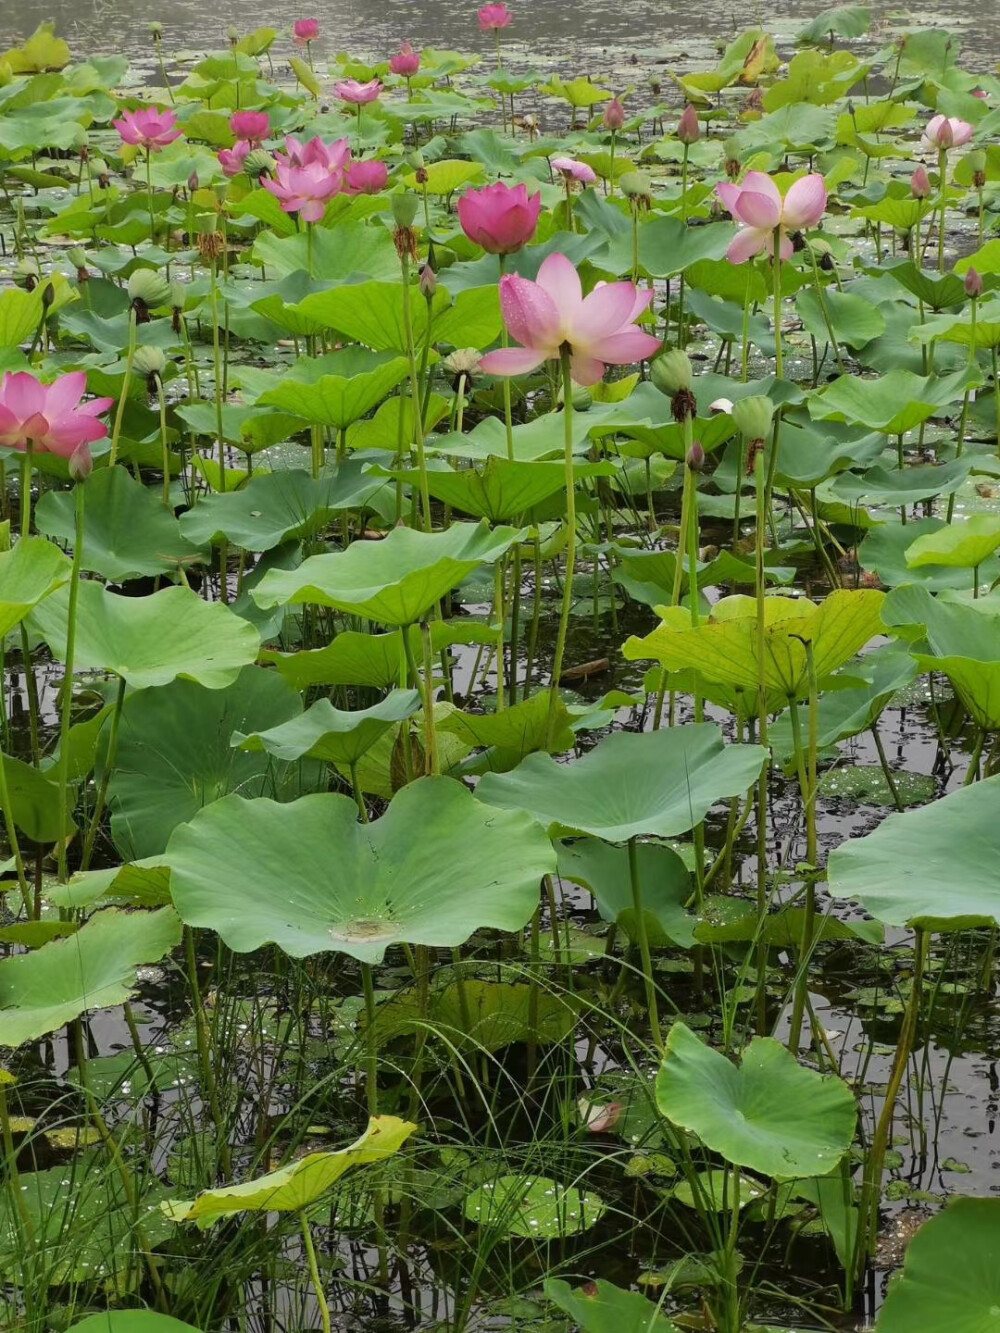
(533, 1207)
(332, 734)
(333, 390)
(35, 805)
(308, 877)
(127, 531)
(957, 545)
(631, 783)
(516, 731)
(394, 581)
(601, 1307)
(666, 886)
(951, 1277)
(504, 489)
(892, 404)
(150, 640)
(28, 574)
(884, 551)
(132, 1321)
(933, 867)
(299, 1184)
(724, 647)
(92, 969)
(768, 1113)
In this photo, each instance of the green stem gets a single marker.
(208, 1081)
(643, 942)
(164, 444)
(418, 425)
(109, 764)
(317, 1284)
(776, 279)
(26, 489)
(567, 600)
(67, 699)
(942, 174)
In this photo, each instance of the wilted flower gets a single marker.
(571, 169)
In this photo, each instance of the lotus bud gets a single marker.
(920, 185)
(655, 87)
(721, 405)
(193, 182)
(28, 271)
(259, 162)
(404, 208)
(428, 281)
(695, 457)
(689, 126)
(48, 296)
(80, 462)
(753, 416)
(614, 115)
(973, 284)
(671, 371)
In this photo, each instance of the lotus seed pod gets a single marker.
(149, 361)
(77, 256)
(671, 371)
(636, 185)
(463, 361)
(259, 161)
(753, 416)
(404, 208)
(583, 399)
(149, 287)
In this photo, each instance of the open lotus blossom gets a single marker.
(231, 159)
(332, 157)
(544, 316)
(368, 177)
(358, 94)
(761, 211)
(501, 218)
(304, 190)
(945, 132)
(252, 125)
(305, 31)
(492, 17)
(50, 417)
(571, 169)
(148, 127)
(406, 62)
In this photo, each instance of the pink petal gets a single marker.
(624, 347)
(746, 243)
(805, 202)
(530, 313)
(560, 280)
(729, 194)
(603, 312)
(22, 394)
(586, 370)
(512, 361)
(758, 210)
(64, 394)
(759, 182)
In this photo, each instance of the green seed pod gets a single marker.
(149, 287)
(671, 371)
(259, 161)
(583, 399)
(77, 256)
(149, 361)
(753, 416)
(636, 185)
(404, 208)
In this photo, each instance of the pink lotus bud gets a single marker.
(973, 284)
(367, 177)
(81, 463)
(428, 281)
(920, 185)
(305, 31)
(695, 457)
(689, 126)
(406, 63)
(614, 115)
(501, 218)
(981, 93)
(231, 159)
(252, 125)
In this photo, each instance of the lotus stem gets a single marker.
(642, 938)
(205, 1052)
(761, 999)
(776, 280)
(164, 445)
(942, 176)
(109, 764)
(79, 495)
(317, 1283)
(806, 767)
(567, 599)
(26, 489)
(149, 194)
(418, 425)
(12, 840)
(430, 726)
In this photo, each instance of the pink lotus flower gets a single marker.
(304, 190)
(406, 63)
(492, 17)
(331, 157)
(546, 315)
(305, 31)
(501, 218)
(571, 169)
(758, 206)
(252, 125)
(944, 132)
(231, 159)
(147, 127)
(358, 94)
(367, 177)
(49, 417)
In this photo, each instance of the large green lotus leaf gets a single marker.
(308, 877)
(354, 658)
(502, 489)
(516, 731)
(854, 320)
(962, 639)
(131, 1321)
(663, 876)
(935, 290)
(668, 247)
(350, 249)
(395, 581)
(93, 969)
(34, 800)
(333, 390)
(248, 428)
(892, 404)
(28, 573)
(962, 545)
(20, 315)
(331, 734)
(983, 335)
(150, 640)
(846, 21)
(127, 530)
(294, 1187)
(601, 1307)
(768, 1113)
(862, 692)
(884, 551)
(372, 313)
(933, 867)
(668, 438)
(274, 507)
(174, 755)
(894, 486)
(724, 647)
(532, 1207)
(631, 783)
(951, 1274)
(540, 438)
